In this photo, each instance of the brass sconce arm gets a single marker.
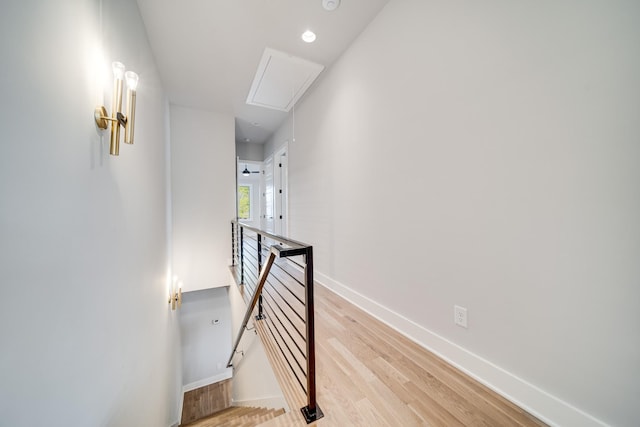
(101, 117)
(175, 299)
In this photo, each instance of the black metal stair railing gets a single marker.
(276, 274)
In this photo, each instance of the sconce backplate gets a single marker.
(100, 115)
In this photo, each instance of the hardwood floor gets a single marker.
(207, 400)
(369, 375)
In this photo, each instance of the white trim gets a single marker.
(281, 182)
(268, 168)
(227, 374)
(534, 400)
(270, 402)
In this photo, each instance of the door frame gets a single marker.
(256, 189)
(281, 189)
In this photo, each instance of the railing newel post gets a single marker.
(233, 244)
(260, 315)
(311, 412)
(241, 254)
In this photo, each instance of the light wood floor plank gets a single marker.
(370, 375)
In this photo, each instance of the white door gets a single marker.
(267, 196)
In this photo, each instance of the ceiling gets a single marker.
(208, 51)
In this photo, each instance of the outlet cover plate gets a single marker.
(460, 316)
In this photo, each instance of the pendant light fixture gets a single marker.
(247, 172)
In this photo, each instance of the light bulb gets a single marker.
(132, 83)
(309, 36)
(132, 80)
(118, 70)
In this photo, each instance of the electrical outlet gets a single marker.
(460, 316)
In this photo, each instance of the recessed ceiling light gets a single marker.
(309, 36)
(330, 4)
(247, 140)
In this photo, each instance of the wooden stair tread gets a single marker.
(290, 419)
(237, 416)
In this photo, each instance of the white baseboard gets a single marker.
(206, 381)
(534, 400)
(270, 402)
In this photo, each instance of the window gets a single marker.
(244, 202)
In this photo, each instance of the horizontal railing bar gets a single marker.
(251, 244)
(285, 357)
(273, 312)
(288, 252)
(285, 315)
(299, 264)
(286, 345)
(287, 302)
(293, 265)
(288, 273)
(284, 285)
(250, 288)
(281, 239)
(251, 265)
(250, 237)
(250, 282)
(249, 285)
(251, 268)
(251, 255)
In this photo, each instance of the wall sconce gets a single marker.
(175, 296)
(118, 119)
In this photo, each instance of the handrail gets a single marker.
(280, 239)
(254, 301)
(285, 248)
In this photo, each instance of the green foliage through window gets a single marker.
(244, 202)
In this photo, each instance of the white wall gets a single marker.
(521, 120)
(254, 383)
(87, 336)
(203, 196)
(250, 151)
(206, 345)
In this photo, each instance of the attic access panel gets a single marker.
(281, 79)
